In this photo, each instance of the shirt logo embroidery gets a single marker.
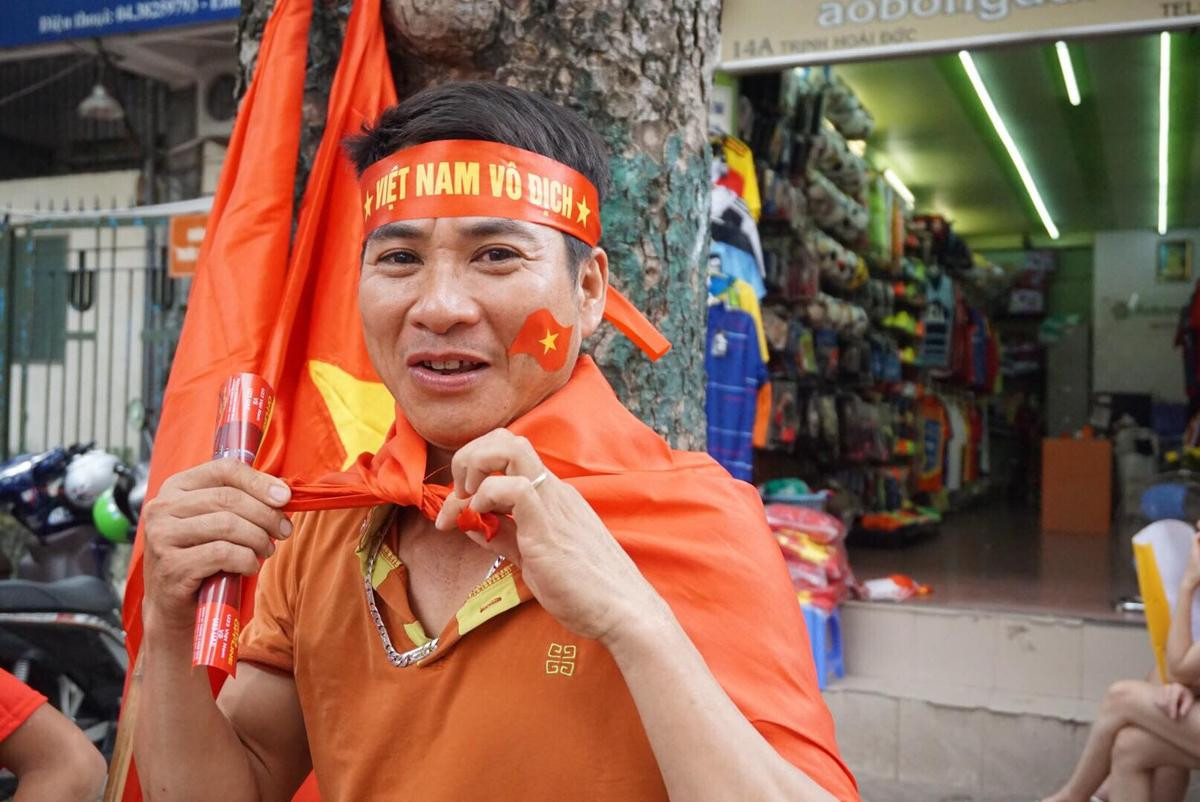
(560, 659)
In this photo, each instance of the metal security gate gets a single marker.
(89, 322)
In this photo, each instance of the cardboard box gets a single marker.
(1077, 485)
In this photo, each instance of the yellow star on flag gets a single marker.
(549, 342)
(584, 211)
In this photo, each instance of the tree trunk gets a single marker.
(640, 72)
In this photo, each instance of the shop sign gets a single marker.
(35, 23)
(186, 233)
(768, 34)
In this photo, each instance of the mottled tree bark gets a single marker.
(640, 72)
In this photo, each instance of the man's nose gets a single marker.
(445, 301)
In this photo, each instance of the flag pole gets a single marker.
(118, 770)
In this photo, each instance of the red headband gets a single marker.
(470, 178)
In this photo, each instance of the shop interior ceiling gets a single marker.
(1095, 164)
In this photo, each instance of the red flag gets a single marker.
(544, 339)
(253, 307)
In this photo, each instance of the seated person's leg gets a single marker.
(1127, 703)
(1170, 783)
(1130, 702)
(1167, 779)
(1137, 758)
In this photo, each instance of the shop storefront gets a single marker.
(961, 234)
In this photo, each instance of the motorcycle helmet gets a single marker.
(130, 490)
(108, 518)
(89, 475)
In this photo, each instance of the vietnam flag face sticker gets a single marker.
(543, 338)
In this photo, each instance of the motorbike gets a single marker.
(60, 621)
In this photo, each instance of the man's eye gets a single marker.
(499, 255)
(398, 258)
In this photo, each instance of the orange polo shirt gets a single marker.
(510, 705)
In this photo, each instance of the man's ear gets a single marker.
(593, 291)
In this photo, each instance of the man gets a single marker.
(51, 757)
(628, 630)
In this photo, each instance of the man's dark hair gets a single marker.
(492, 112)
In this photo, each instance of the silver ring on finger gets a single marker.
(537, 481)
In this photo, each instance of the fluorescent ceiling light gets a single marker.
(1164, 119)
(1068, 71)
(1009, 145)
(890, 176)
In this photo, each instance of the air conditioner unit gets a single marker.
(216, 105)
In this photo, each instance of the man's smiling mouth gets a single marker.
(451, 366)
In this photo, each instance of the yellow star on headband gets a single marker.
(549, 342)
(584, 211)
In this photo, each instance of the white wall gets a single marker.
(25, 193)
(1136, 353)
(212, 158)
(85, 397)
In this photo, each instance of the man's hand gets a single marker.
(220, 516)
(571, 562)
(1174, 699)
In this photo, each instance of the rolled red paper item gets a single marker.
(242, 417)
